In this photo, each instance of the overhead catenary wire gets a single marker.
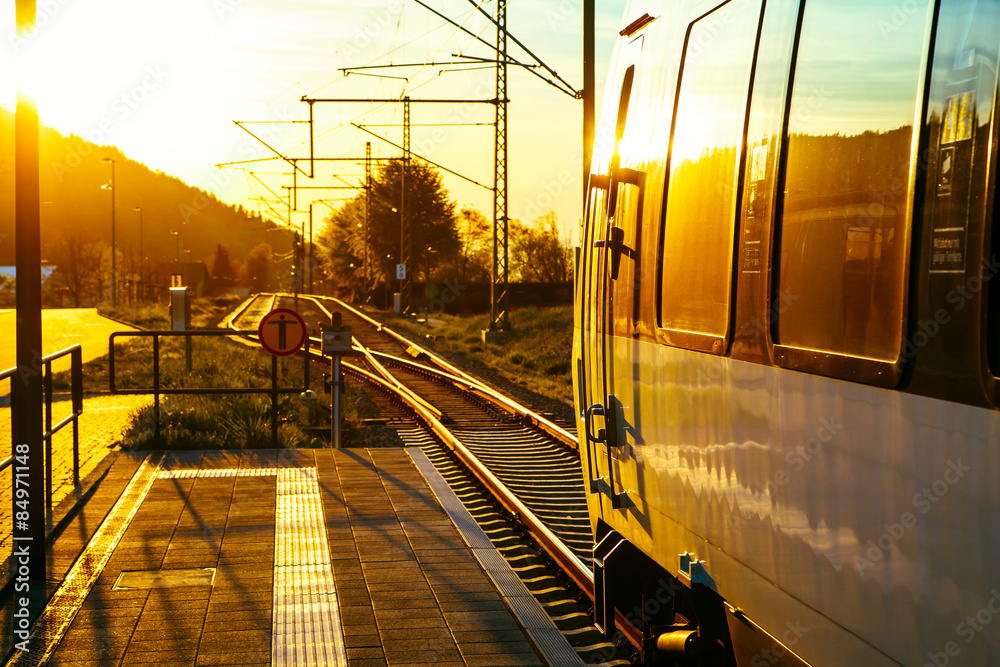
(575, 93)
(397, 45)
(420, 157)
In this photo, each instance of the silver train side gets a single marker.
(787, 336)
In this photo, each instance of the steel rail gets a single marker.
(379, 368)
(564, 558)
(557, 550)
(552, 429)
(471, 385)
(243, 307)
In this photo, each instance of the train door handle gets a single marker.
(609, 436)
(626, 176)
(615, 243)
(596, 409)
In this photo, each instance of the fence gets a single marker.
(75, 354)
(158, 389)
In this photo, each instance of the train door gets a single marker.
(607, 245)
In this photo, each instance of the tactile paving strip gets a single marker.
(306, 626)
(69, 597)
(542, 631)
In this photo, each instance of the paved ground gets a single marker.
(61, 327)
(103, 421)
(408, 589)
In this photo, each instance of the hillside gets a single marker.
(74, 203)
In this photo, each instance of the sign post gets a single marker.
(282, 333)
(337, 341)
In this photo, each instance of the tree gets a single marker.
(81, 264)
(342, 248)
(223, 269)
(429, 214)
(7, 296)
(258, 268)
(475, 234)
(536, 252)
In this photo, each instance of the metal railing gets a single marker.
(158, 389)
(75, 353)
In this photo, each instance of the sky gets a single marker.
(165, 81)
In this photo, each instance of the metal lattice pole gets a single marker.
(498, 290)
(406, 233)
(368, 215)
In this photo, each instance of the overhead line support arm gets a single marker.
(576, 94)
(291, 161)
(572, 92)
(453, 173)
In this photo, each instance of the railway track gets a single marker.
(517, 472)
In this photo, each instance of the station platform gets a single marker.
(287, 557)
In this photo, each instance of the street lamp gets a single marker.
(114, 260)
(177, 257)
(141, 258)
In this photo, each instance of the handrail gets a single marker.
(75, 353)
(158, 390)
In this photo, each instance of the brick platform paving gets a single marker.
(102, 423)
(407, 588)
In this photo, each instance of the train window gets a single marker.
(706, 142)
(843, 232)
(623, 101)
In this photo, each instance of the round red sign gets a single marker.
(282, 332)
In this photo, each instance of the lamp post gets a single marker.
(141, 258)
(177, 256)
(114, 259)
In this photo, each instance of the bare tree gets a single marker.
(81, 267)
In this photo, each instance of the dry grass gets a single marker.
(535, 351)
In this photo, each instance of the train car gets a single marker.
(787, 338)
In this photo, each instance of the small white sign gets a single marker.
(401, 272)
(176, 280)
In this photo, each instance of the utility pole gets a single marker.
(405, 233)
(310, 255)
(368, 215)
(28, 514)
(498, 285)
(139, 209)
(114, 253)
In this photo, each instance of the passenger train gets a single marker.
(787, 337)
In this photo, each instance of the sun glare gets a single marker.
(89, 68)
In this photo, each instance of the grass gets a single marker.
(220, 421)
(206, 313)
(535, 351)
(152, 316)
